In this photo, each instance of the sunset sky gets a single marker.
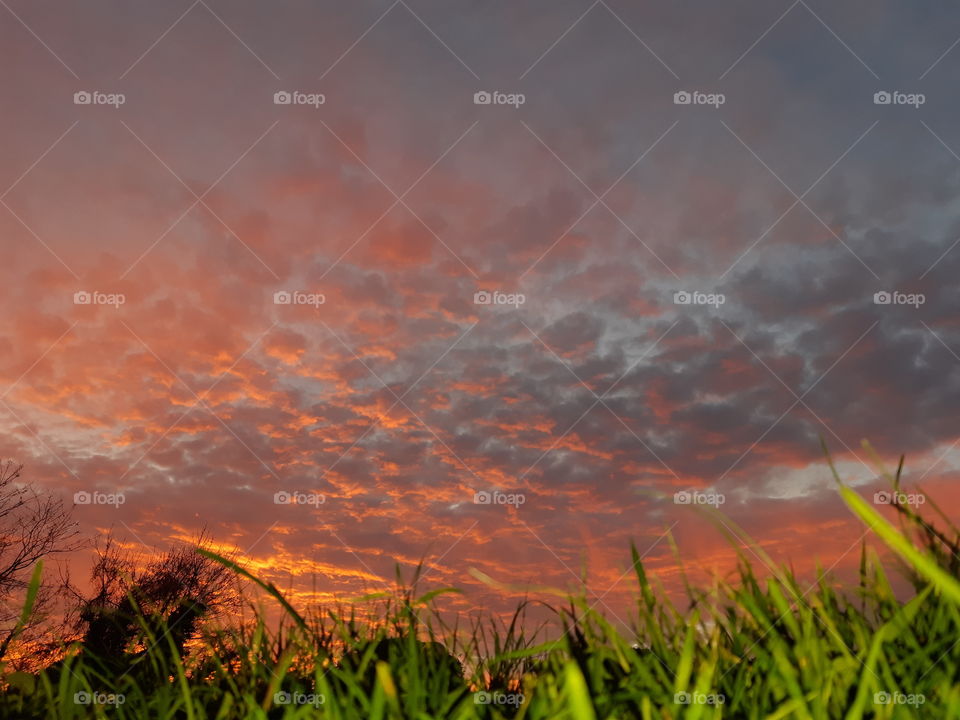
(583, 198)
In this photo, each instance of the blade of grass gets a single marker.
(923, 564)
(32, 589)
(268, 586)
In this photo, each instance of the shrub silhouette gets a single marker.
(151, 610)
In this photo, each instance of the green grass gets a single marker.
(762, 645)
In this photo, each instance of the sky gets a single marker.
(493, 285)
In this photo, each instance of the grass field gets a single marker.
(756, 647)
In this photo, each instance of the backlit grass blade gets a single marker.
(268, 586)
(578, 696)
(32, 589)
(923, 564)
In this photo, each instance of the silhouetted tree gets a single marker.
(33, 526)
(139, 608)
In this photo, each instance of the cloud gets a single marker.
(399, 397)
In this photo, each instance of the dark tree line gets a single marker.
(154, 606)
(33, 526)
(135, 604)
